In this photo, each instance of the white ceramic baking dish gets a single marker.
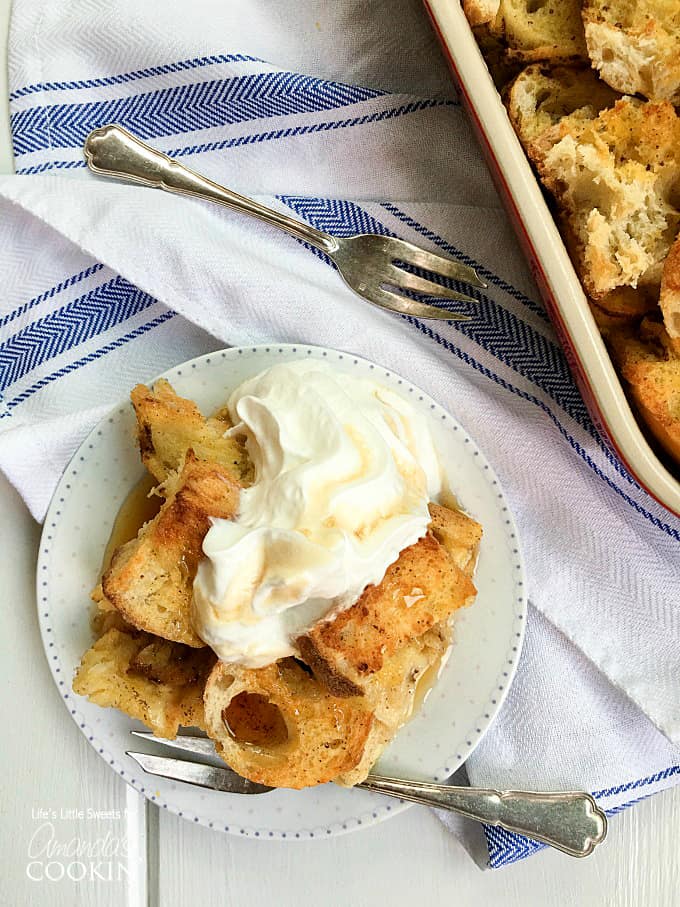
(550, 264)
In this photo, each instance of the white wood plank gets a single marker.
(411, 859)
(48, 765)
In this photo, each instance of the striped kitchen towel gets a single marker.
(342, 114)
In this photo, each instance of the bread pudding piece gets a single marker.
(542, 29)
(635, 45)
(168, 425)
(290, 754)
(278, 726)
(458, 534)
(670, 295)
(542, 96)
(512, 32)
(481, 12)
(615, 181)
(151, 577)
(422, 588)
(392, 692)
(107, 617)
(649, 362)
(629, 303)
(158, 682)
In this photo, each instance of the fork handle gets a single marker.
(571, 821)
(113, 151)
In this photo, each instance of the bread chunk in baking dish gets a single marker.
(481, 12)
(168, 425)
(635, 45)
(615, 180)
(670, 295)
(524, 31)
(551, 30)
(649, 362)
(542, 96)
(150, 580)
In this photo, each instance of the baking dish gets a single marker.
(550, 264)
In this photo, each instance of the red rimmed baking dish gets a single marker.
(550, 265)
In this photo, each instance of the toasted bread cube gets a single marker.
(150, 580)
(650, 364)
(481, 12)
(670, 294)
(634, 45)
(614, 180)
(552, 30)
(542, 96)
(115, 673)
(420, 589)
(168, 425)
(276, 725)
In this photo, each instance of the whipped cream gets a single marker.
(344, 470)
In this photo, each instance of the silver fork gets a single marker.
(569, 821)
(368, 263)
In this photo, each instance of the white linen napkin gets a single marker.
(353, 126)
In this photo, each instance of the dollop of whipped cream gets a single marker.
(344, 470)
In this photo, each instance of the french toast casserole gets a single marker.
(342, 684)
(591, 89)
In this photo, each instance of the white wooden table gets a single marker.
(56, 794)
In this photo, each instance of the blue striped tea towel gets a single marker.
(351, 125)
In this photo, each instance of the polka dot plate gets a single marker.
(458, 709)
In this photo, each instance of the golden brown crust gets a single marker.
(150, 579)
(651, 367)
(422, 588)
(480, 12)
(108, 675)
(542, 96)
(612, 178)
(168, 425)
(326, 736)
(670, 293)
(629, 302)
(551, 31)
(458, 534)
(634, 45)
(325, 671)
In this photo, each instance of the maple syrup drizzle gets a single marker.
(427, 680)
(252, 719)
(137, 508)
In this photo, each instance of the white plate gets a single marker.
(459, 708)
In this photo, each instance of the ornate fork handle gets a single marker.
(113, 151)
(570, 821)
